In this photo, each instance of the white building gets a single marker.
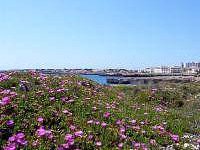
(161, 70)
(191, 71)
(176, 70)
(148, 70)
(192, 65)
(157, 70)
(165, 70)
(191, 68)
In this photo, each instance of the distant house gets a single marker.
(191, 68)
(161, 70)
(148, 70)
(175, 70)
(157, 70)
(165, 70)
(192, 65)
(191, 71)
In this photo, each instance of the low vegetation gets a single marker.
(69, 112)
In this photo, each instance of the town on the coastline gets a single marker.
(190, 68)
(186, 72)
(185, 69)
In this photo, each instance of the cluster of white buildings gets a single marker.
(164, 70)
(185, 68)
(191, 68)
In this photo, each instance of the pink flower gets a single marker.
(90, 137)
(22, 142)
(70, 101)
(122, 129)
(198, 141)
(66, 146)
(143, 131)
(97, 122)
(118, 122)
(175, 138)
(94, 108)
(142, 122)
(11, 146)
(69, 139)
(4, 77)
(52, 98)
(98, 143)
(158, 109)
(5, 101)
(123, 136)
(136, 128)
(106, 115)
(35, 143)
(120, 145)
(20, 136)
(49, 134)
(15, 141)
(72, 127)
(137, 145)
(63, 99)
(67, 112)
(12, 138)
(103, 124)
(144, 147)
(152, 142)
(40, 119)
(41, 131)
(90, 122)
(158, 128)
(133, 121)
(10, 123)
(78, 133)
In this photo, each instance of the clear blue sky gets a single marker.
(98, 33)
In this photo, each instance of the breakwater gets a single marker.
(150, 80)
(106, 80)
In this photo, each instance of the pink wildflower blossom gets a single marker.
(103, 124)
(175, 138)
(106, 114)
(78, 133)
(98, 143)
(5, 101)
(40, 119)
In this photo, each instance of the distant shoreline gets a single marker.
(106, 72)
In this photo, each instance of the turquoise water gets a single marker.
(97, 78)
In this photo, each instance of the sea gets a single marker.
(97, 78)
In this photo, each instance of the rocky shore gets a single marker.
(152, 80)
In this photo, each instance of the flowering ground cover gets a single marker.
(69, 112)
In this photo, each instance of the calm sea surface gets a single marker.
(97, 78)
(103, 79)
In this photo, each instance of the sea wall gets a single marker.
(148, 80)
